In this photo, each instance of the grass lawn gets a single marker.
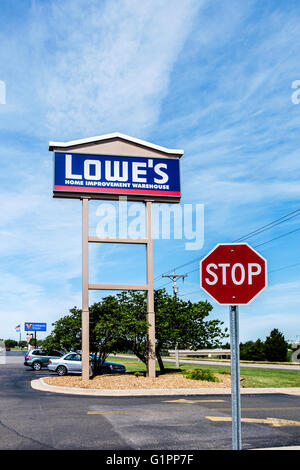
(253, 377)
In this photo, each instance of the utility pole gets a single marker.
(174, 278)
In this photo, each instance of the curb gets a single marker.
(39, 384)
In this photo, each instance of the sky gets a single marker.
(212, 78)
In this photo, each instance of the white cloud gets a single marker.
(109, 64)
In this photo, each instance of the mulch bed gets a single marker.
(131, 382)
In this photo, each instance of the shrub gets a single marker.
(200, 374)
(139, 374)
(224, 372)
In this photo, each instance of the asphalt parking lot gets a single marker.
(32, 419)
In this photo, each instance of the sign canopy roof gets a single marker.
(115, 143)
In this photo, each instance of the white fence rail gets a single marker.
(200, 352)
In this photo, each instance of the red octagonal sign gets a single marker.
(233, 273)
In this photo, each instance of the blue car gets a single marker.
(113, 368)
(109, 367)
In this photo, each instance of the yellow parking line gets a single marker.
(275, 422)
(136, 412)
(141, 412)
(283, 408)
(113, 412)
(183, 400)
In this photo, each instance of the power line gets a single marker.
(167, 283)
(284, 267)
(189, 293)
(186, 264)
(276, 238)
(160, 275)
(193, 270)
(272, 271)
(268, 226)
(164, 274)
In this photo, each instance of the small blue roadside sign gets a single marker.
(35, 326)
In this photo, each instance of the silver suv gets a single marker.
(38, 358)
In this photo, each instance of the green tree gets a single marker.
(113, 325)
(276, 347)
(253, 351)
(185, 324)
(177, 322)
(11, 343)
(66, 334)
(22, 344)
(36, 343)
(118, 323)
(109, 325)
(134, 307)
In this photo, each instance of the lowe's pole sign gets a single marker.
(108, 175)
(35, 327)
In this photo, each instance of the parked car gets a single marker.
(112, 368)
(7, 348)
(71, 364)
(38, 358)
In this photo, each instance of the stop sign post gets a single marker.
(234, 274)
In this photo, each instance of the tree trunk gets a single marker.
(140, 356)
(160, 362)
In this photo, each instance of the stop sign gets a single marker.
(233, 273)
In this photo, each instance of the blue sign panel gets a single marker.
(119, 175)
(35, 326)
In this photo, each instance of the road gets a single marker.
(32, 419)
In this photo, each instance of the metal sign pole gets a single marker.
(235, 378)
(151, 370)
(85, 333)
